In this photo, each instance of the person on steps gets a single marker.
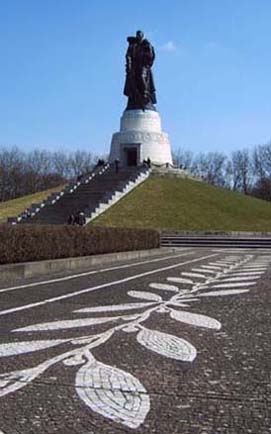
(81, 219)
(71, 219)
(117, 161)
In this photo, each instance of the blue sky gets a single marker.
(62, 71)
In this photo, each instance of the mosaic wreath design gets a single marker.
(107, 390)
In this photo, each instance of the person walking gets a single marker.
(71, 219)
(81, 219)
(117, 161)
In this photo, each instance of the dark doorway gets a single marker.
(132, 157)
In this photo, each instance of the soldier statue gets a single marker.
(139, 84)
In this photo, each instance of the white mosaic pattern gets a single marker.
(118, 307)
(68, 324)
(167, 345)
(235, 285)
(113, 393)
(145, 295)
(196, 319)
(164, 287)
(237, 279)
(16, 348)
(107, 390)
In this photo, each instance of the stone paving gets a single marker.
(176, 344)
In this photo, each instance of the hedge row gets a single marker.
(23, 243)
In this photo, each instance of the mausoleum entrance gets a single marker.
(131, 155)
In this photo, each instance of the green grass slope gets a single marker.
(12, 208)
(187, 205)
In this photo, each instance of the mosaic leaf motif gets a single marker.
(145, 295)
(113, 393)
(109, 391)
(164, 287)
(180, 280)
(236, 279)
(66, 324)
(113, 307)
(195, 319)
(167, 345)
(254, 267)
(234, 285)
(13, 381)
(16, 348)
(223, 292)
(252, 274)
(179, 304)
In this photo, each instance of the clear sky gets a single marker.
(62, 71)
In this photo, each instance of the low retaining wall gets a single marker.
(26, 270)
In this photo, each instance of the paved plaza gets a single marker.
(173, 344)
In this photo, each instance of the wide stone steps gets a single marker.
(91, 196)
(219, 241)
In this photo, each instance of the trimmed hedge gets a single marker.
(23, 243)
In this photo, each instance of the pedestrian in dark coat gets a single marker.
(81, 219)
(117, 161)
(71, 219)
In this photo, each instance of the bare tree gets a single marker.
(11, 167)
(183, 158)
(228, 174)
(38, 167)
(262, 189)
(61, 164)
(242, 171)
(80, 162)
(211, 167)
(258, 162)
(24, 173)
(262, 161)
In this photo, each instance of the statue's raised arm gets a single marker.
(139, 84)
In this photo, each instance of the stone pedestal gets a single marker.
(140, 138)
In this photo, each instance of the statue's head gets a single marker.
(139, 36)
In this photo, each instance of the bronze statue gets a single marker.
(139, 84)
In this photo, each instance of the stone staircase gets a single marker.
(220, 240)
(92, 195)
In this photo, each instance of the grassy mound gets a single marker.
(187, 205)
(12, 208)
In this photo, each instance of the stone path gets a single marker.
(176, 344)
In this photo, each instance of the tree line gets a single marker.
(23, 173)
(247, 170)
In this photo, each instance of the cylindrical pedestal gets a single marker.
(140, 138)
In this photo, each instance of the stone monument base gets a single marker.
(140, 138)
